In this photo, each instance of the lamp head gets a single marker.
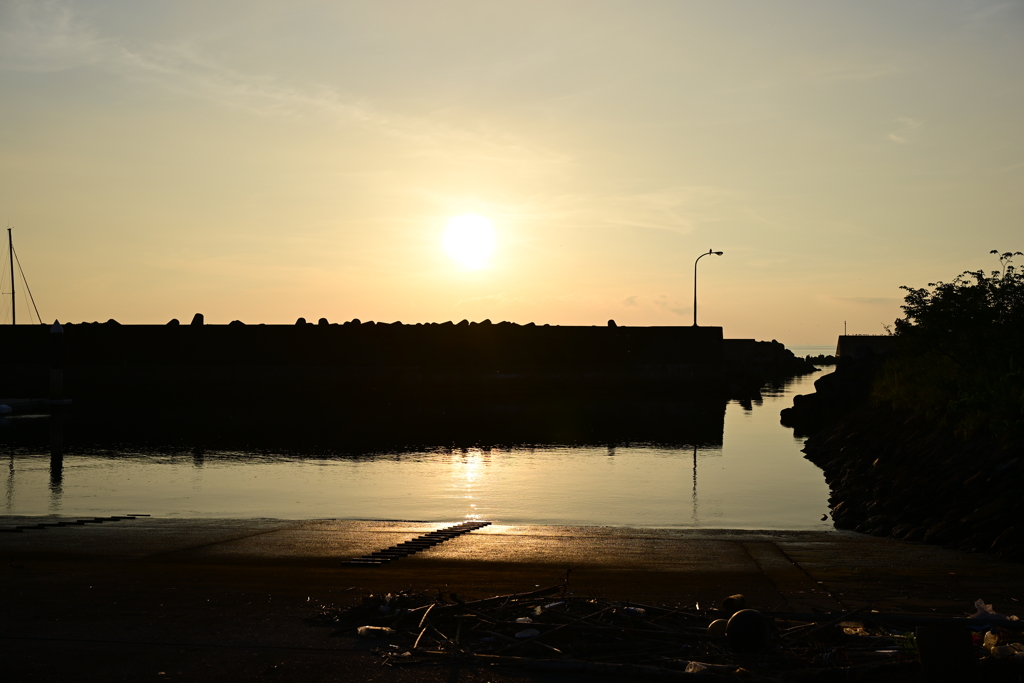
(718, 253)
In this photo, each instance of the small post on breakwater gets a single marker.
(56, 399)
(56, 362)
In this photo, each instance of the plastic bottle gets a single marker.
(374, 631)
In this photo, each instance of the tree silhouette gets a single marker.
(960, 352)
(957, 317)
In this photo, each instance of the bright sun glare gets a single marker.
(469, 240)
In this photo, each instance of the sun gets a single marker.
(469, 239)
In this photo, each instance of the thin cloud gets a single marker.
(851, 72)
(800, 73)
(675, 307)
(44, 36)
(981, 17)
(904, 133)
(678, 209)
(49, 36)
(866, 300)
(630, 301)
(63, 40)
(500, 297)
(184, 70)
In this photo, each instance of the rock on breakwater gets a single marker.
(902, 477)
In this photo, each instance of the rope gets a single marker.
(25, 282)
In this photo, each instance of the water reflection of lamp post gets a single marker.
(694, 483)
(709, 251)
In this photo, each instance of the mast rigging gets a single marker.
(12, 260)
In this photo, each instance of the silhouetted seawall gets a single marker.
(464, 346)
(656, 354)
(835, 395)
(904, 477)
(430, 383)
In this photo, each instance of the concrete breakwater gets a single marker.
(428, 383)
(906, 477)
(903, 477)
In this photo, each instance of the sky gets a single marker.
(261, 161)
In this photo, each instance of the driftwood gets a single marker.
(549, 630)
(906, 621)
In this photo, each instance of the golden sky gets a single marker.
(263, 161)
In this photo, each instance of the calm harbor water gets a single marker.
(756, 479)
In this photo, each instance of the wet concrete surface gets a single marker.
(214, 599)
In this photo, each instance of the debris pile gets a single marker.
(550, 630)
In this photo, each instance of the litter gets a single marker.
(373, 631)
(648, 642)
(984, 611)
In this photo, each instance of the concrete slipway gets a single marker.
(221, 599)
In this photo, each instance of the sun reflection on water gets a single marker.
(466, 472)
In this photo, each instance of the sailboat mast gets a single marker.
(10, 253)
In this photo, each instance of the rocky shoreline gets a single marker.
(902, 476)
(898, 476)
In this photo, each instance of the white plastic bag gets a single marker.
(984, 611)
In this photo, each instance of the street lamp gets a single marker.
(709, 251)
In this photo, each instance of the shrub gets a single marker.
(960, 352)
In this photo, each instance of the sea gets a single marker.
(755, 478)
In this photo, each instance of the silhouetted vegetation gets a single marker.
(960, 359)
(937, 457)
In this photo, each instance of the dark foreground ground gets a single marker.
(214, 600)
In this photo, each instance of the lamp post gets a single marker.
(709, 251)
